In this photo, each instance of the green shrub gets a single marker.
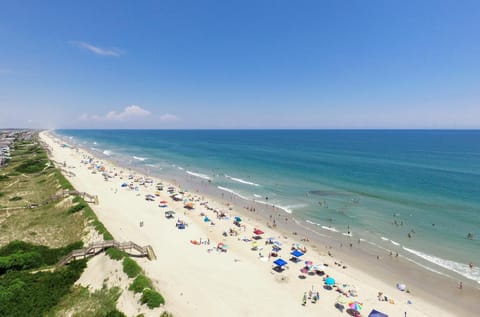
(115, 254)
(31, 166)
(27, 294)
(77, 199)
(140, 283)
(46, 255)
(130, 267)
(2, 194)
(115, 313)
(152, 298)
(76, 208)
(19, 261)
(3, 177)
(166, 314)
(15, 198)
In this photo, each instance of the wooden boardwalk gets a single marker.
(98, 247)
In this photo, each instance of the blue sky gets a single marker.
(240, 64)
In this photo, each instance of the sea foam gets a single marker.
(139, 158)
(239, 180)
(231, 191)
(459, 268)
(198, 175)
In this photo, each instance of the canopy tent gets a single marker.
(258, 232)
(280, 262)
(376, 313)
(297, 253)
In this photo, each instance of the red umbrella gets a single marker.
(258, 232)
(163, 202)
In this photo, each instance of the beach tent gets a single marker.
(280, 262)
(376, 313)
(401, 287)
(189, 205)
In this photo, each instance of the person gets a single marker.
(304, 300)
(460, 285)
(470, 265)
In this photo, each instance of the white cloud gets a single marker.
(97, 50)
(168, 117)
(129, 112)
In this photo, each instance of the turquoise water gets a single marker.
(380, 185)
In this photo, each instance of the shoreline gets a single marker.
(354, 257)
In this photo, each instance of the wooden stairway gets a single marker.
(98, 247)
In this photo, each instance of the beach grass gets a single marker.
(82, 303)
(29, 209)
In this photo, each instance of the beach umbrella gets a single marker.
(258, 232)
(355, 305)
(401, 287)
(342, 300)
(189, 205)
(330, 281)
(308, 263)
(238, 219)
(278, 243)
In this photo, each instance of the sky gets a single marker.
(243, 64)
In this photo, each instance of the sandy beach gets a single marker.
(197, 278)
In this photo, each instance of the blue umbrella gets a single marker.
(238, 219)
(330, 281)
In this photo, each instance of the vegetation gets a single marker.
(25, 294)
(64, 183)
(76, 208)
(19, 255)
(32, 166)
(26, 287)
(152, 298)
(131, 268)
(166, 314)
(140, 283)
(116, 254)
(83, 303)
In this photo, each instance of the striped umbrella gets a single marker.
(355, 305)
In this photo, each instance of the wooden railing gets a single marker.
(98, 247)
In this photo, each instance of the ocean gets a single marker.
(415, 192)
